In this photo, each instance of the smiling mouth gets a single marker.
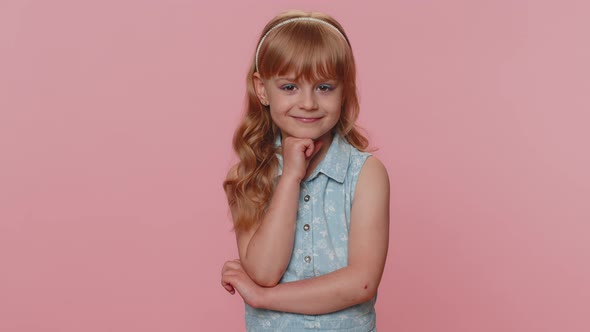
(306, 120)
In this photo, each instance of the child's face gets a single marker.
(300, 108)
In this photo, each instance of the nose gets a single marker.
(308, 100)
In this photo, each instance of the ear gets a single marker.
(260, 89)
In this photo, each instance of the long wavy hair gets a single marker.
(311, 51)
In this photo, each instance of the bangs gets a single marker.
(310, 51)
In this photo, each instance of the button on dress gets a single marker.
(321, 243)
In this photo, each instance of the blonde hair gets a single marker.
(312, 51)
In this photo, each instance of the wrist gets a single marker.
(290, 179)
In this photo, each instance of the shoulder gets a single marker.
(374, 168)
(373, 177)
(355, 157)
(358, 157)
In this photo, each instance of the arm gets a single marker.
(354, 284)
(265, 250)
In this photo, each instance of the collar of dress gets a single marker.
(334, 164)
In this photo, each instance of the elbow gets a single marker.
(366, 292)
(262, 276)
(265, 279)
(266, 282)
(364, 284)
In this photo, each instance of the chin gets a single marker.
(312, 136)
(307, 133)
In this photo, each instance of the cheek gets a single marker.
(279, 102)
(334, 105)
(335, 113)
(337, 116)
(275, 116)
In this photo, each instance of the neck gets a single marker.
(315, 161)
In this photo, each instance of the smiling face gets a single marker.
(302, 81)
(301, 108)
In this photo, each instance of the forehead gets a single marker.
(305, 53)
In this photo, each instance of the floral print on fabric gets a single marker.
(321, 243)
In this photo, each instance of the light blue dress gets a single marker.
(321, 243)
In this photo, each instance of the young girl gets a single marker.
(310, 207)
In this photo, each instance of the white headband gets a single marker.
(310, 19)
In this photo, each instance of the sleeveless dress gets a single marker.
(321, 243)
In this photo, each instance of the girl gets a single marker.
(310, 207)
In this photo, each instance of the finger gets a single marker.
(228, 287)
(239, 263)
(309, 149)
(229, 265)
(317, 146)
(227, 281)
(234, 272)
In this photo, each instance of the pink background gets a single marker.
(115, 126)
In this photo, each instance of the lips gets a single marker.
(306, 119)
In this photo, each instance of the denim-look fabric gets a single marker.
(321, 243)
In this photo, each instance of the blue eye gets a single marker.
(325, 87)
(288, 87)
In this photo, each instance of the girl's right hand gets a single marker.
(297, 153)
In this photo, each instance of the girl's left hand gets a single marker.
(233, 277)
